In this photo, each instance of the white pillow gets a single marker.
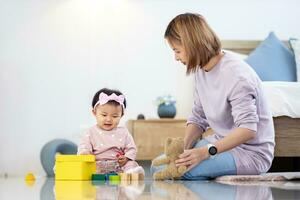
(240, 55)
(296, 48)
(283, 98)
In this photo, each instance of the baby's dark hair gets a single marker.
(108, 92)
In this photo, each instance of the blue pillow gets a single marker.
(273, 61)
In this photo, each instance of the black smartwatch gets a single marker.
(212, 150)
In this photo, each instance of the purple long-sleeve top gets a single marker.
(230, 96)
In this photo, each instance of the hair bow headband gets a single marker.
(104, 98)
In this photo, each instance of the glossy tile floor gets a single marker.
(48, 189)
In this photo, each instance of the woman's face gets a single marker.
(178, 51)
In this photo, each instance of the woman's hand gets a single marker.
(122, 160)
(192, 157)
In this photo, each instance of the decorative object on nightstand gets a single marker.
(166, 106)
(141, 116)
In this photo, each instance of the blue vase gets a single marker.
(166, 110)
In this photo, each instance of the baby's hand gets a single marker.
(122, 160)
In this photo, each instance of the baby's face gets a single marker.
(108, 116)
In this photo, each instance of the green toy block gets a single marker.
(98, 177)
(114, 178)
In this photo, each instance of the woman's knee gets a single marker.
(201, 143)
(222, 164)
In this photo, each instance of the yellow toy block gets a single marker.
(74, 167)
(75, 190)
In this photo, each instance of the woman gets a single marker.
(228, 98)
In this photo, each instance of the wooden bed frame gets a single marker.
(287, 130)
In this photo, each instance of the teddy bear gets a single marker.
(173, 148)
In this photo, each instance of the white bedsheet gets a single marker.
(283, 98)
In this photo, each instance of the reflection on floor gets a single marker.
(48, 189)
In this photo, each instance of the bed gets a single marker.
(284, 100)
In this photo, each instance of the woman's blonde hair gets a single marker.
(197, 38)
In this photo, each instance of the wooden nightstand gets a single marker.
(150, 135)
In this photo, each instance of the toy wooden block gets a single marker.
(74, 167)
(125, 177)
(114, 178)
(131, 176)
(105, 177)
(137, 177)
(98, 177)
(108, 175)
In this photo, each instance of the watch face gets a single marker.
(212, 150)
